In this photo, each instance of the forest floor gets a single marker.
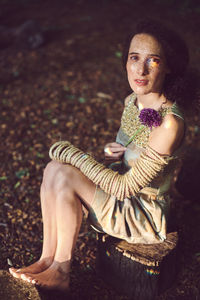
(72, 87)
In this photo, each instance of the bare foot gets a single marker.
(56, 277)
(38, 267)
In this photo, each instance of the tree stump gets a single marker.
(16, 289)
(140, 271)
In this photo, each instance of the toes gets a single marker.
(27, 277)
(24, 277)
(11, 270)
(15, 272)
(16, 275)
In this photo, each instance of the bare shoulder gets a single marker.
(172, 123)
(166, 138)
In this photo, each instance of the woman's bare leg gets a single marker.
(69, 217)
(68, 187)
(48, 207)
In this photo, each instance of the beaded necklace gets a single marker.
(132, 126)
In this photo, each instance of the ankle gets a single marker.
(47, 261)
(62, 267)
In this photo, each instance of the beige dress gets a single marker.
(141, 218)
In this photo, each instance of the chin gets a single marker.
(144, 90)
(141, 90)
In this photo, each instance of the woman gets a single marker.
(132, 203)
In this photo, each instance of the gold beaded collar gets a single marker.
(130, 123)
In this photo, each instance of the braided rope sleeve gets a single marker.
(145, 169)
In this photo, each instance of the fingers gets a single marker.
(107, 151)
(113, 158)
(114, 155)
(113, 152)
(114, 147)
(117, 149)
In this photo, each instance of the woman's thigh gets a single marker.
(61, 176)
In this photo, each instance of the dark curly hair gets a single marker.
(181, 83)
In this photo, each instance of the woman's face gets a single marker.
(146, 65)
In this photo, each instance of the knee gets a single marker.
(52, 167)
(56, 175)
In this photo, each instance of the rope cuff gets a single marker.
(145, 169)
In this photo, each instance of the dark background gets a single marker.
(61, 76)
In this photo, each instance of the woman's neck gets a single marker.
(152, 100)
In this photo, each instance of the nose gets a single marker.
(142, 68)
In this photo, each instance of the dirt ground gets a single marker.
(72, 87)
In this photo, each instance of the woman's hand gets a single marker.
(113, 152)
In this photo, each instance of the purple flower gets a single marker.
(150, 117)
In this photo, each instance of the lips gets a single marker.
(141, 82)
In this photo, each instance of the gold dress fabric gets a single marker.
(141, 218)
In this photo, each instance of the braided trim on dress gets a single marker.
(145, 169)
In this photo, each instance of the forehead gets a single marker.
(145, 44)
